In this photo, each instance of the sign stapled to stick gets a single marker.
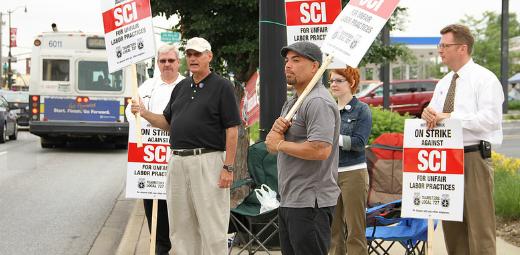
(350, 36)
(355, 29)
(310, 20)
(433, 170)
(148, 165)
(129, 34)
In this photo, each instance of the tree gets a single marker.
(486, 50)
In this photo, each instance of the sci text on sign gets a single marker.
(433, 160)
(125, 14)
(314, 12)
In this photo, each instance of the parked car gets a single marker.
(406, 96)
(8, 128)
(19, 103)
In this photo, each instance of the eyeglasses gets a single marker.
(170, 60)
(336, 81)
(193, 53)
(446, 45)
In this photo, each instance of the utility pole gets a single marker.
(1, 64)
(385, 69)
(9, 71)
(273, 88)
(504, 52)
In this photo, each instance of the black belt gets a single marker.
(191, 152)
(471, 148)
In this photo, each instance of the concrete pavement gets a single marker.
(135, 240)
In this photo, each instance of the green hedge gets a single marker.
(507, 186)
(514, 105)
(385, 121)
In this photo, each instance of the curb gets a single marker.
(109, 237)
(133, 229)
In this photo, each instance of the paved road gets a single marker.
(511, 145)
(55, 201)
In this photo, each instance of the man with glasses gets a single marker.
(472, 94)
(155, 93)
(202, 118)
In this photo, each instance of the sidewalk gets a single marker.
(136, 237)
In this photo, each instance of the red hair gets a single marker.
(350, 74)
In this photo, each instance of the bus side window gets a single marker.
(56, 70)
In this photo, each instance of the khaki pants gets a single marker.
(197, 208)
(349, 223)
(476, 234)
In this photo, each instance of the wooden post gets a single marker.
(153, 231)
(430, 237)
(135, 96)
(309, 87)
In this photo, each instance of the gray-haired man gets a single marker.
(155, 93)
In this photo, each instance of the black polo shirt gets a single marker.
(199, 114)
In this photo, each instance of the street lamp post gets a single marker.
(10, 56)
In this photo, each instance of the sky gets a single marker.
(425, 18)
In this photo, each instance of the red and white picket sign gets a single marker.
(355, 29)
(249, 105)
(310, 20)
(147, 165)
(129, 34)
(433, 170)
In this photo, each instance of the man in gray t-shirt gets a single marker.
(307, 149)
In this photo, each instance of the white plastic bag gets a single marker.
(267, 198)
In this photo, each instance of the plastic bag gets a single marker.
(267, 198)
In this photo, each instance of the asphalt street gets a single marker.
(55, 201)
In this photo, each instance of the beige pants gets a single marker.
(349, 223)
(198, 210)
(476, 234)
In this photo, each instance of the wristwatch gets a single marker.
(229, 168)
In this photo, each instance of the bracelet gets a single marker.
(278, 145)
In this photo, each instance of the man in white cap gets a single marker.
(202, 118)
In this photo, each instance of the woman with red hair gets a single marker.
(348, 225)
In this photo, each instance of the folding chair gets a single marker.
(249, 225)
(386, 229)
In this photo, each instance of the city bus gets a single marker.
(73, 96)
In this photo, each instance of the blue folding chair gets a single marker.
(385, 228)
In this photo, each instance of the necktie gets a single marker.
(450, 98)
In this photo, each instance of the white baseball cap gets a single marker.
(198, 44)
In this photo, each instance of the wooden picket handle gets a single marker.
(309, 87)
(153, 231)
(429, 250)
(135, 96)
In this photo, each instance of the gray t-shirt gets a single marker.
(303, 183)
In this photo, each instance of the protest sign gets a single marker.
(148, 165)
(355, 29)
(310, 20)
(433, 170)
(128, 30)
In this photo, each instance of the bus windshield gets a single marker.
(94, 76)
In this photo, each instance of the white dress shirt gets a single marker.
(155, 94)
(478, 103)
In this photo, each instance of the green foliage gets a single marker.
(486, 50)
(507, 186)
(254, 132)
(231, 26)
(385, 121)
(513, 105)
